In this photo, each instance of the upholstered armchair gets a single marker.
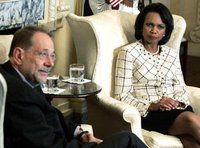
(98, 39)
(5, 41)
(3, 90)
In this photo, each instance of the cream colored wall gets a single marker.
(188, 10)
(165, 2)
(65, 52)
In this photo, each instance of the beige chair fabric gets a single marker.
(3, 90)
(5, 41)
(97, 39)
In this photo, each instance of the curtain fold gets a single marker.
(79, 9)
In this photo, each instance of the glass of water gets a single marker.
(76, 72)
(52, 83)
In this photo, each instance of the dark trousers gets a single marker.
(122, 140)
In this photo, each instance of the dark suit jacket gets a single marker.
(30, 121)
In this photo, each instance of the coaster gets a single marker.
(57, 91)
(81, 82)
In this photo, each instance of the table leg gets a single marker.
(80, 111)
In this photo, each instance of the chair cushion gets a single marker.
(158, 140)
(3, 53)
(5, 42)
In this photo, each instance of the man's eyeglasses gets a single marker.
(44, 55)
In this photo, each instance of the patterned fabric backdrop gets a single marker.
(18, 13)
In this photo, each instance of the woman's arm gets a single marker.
(123, 82)
(180, 91)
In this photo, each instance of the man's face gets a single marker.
(37, 61)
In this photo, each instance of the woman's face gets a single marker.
(153, 28)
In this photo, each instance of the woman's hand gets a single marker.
(168, 104)
(164, 104)
(88, 137)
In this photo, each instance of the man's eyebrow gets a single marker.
(45, 49)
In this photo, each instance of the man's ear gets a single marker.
(18, 54)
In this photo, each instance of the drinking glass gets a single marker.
(52, 83)
(76, 72)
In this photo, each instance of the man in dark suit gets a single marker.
(30, 121)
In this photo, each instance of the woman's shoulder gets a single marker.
(132, 46)
(169, 50)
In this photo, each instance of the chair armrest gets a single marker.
(127, 114)
(194, 97)
(158, 140)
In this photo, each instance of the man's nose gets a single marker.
(49, 61)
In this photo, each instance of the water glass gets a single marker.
(76, 72)
(52, 83)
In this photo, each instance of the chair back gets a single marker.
(98, 39)
(3, 91)
(5, 42)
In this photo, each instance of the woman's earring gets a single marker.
(163, 35)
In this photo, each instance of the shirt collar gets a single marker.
(25, 80)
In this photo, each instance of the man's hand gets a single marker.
(88, 137)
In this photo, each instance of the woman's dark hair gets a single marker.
(23, 37)
(165, 15)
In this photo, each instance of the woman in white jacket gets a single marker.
(149, 77)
